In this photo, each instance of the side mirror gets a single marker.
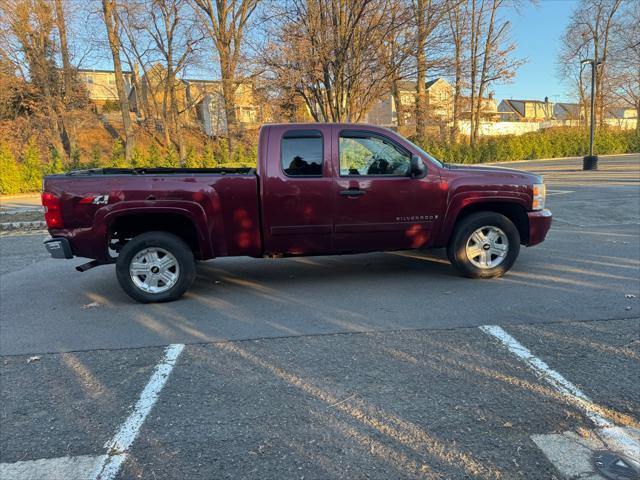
(418, 168)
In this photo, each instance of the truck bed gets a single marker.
(220, 205)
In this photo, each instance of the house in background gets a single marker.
(440, 96)
(620, 113)
(151, 89)
(488, 109)
(211, 111)
(526, 110)
(439, 93)
(199, 101)
(101, 85)
(568, 111)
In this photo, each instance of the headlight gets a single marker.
(539, 196)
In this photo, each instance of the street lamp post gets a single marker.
(590, 162)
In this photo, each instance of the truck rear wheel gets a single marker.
(484, 245)
(155, 267)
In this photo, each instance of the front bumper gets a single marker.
(59, 247)
(539, 225)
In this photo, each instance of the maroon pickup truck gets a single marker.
(319, 189)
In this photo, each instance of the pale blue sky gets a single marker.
(537, 30)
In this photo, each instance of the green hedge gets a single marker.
(24, 174)
(552, 143)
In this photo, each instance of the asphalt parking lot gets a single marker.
(382, 365)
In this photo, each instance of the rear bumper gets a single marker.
(539, 225)
(59, 247)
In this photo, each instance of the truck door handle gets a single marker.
(352, 193)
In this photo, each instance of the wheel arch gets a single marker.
(132, 223)
(511, 208)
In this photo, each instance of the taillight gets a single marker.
(52, 210)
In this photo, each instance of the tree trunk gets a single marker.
(111, 22)
(395, 92)
(475, 23)
(142, 102)
(483, 74)
(421, 72)
(68, 123)
(229, 97)
(457, 88)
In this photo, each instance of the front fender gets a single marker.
(462, 200)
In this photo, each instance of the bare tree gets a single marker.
(458, 27)
(397, 52)
(137, 48)
(112, 23)
(29, 29)
(429, 15)
(331, 53)
(226, 22)
(588, 35)
(170, 28)
(68, 77)
(490, 57)
(624, 61)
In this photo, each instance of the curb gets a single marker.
(36, 225)
(18, 211)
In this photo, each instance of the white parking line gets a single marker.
(118, 446)
(68, 468)
(615, 437)
(559, 192)
(100, 467)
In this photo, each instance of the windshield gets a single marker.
(430, 157)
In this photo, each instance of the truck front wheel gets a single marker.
(484, 245)
(155, 267)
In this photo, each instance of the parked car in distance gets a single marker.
(319, 189)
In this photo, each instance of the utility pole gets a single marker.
(590, 162)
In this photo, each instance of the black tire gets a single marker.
(457, 253)
(170, 243)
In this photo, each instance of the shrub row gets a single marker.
(24, 174)
(551, 143)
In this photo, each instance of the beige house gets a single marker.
(568, 111)
(526, 110)
(488, 109)
(620, 113)
(440, 94)
(209, 102)
(385, 111)
(151, 89)
(199, 101)
(101, 85)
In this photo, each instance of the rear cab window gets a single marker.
(302, 153)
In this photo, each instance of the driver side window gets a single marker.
(363, 153)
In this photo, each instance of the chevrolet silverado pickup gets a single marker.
(318, 189)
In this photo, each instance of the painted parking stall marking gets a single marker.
(105, 466)
(570, 453)
(79, 467)
(118, 446)
(559, 192)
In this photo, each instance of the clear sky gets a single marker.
(537, 29)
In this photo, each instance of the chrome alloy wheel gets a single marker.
(487, 247)
(154, 270)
